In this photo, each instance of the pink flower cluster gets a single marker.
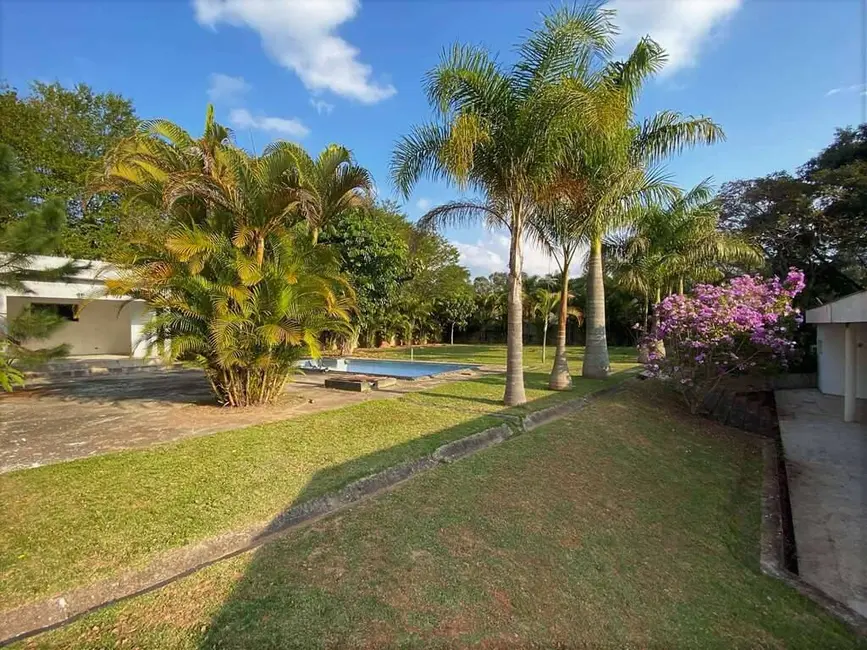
(740, 326)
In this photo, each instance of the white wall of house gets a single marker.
(105, 325)
(830, 339)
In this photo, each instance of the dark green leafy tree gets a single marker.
(371, 242)
(27, 228)
(815, 220)
(58, 134)
(455, 298)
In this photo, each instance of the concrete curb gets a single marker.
(34, 618)
(772, 559)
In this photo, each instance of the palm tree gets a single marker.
(548, 307)
(613, 168)
(237, 285)
(499, 133)
(328, 185)
(681, 241)
(561, 235)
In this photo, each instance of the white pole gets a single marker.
(849, 393)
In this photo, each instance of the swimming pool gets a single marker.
(385, 367)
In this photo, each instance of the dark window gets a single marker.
(63, 310)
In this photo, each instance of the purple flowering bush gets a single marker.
(743, 326)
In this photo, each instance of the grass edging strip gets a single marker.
(41, 616)
(772, 559)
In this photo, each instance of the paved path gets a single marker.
(826, 462)
(77, 418)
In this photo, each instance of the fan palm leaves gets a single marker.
(498, 133)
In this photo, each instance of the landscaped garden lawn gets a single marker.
(495, 355)
(73, 523)
(627, 524)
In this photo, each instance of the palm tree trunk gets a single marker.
(680, 285)
(596, 364)
(260, 250)
(544, 337)
(514, 394)
(560, 378)
(452, 337)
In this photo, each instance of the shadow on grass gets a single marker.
(273, 606)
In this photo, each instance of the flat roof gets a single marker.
(850, 309)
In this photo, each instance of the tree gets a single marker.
(327, 186)
(372, 244)
(741, 327)
(455, 298)
(542, 304)
(814, 220)
(679, 242)
(613, 168)
(28, 227)
(58, 134)
(561, 234)
(499, 131)
(238, 286)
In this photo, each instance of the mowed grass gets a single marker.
(495, 355)
(628, 524)
(73, 523)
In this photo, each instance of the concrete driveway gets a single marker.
(826, 463)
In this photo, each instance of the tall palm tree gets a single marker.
(498, 132)
(613, 167)
(561, 235)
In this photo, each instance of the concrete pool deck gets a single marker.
(826, 463)
(82, 417)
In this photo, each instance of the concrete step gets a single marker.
(65, 369)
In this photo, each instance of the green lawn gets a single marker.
(495, 355)
(628, 524)
(69, 524)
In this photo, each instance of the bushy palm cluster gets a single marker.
(236, 281)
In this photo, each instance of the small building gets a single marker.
(97, 324)
(842, 350)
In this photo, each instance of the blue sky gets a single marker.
(779, 76)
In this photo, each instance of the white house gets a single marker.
(842, 349)
(97, 324)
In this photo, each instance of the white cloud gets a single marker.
(423, 205)
(241, 118)
(301, 35)
(490, 254)
(680, 26)
(846, 89)
(223, 88)
(321, 106)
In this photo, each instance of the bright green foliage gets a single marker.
(678, 243)
(238, 285)
(58, 134)
(500, 132)
(373, 249)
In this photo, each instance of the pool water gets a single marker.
(385, 367)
